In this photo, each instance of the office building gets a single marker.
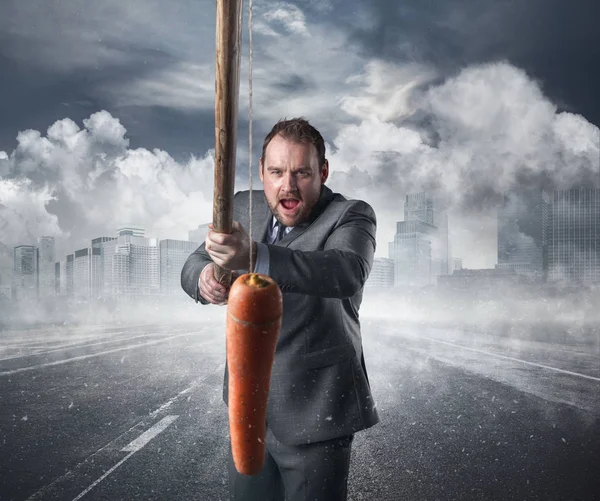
(423, 207)
(25, 272)
(46, 260)
(411, 252)
(87, 273)
(457, 264)
(106, 246)
(574, 236)
(69, 282)
(173, 254)
(522, 232)
(382, 274)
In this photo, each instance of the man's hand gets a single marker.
(212, 290)
(230, 250)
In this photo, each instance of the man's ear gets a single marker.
(324, 172)
(260, 169)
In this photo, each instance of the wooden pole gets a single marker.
(227, 86)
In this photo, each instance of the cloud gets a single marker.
(468, 140)
(289, 16)
(311, 83)
(465, 139)
(23, 215)
(77, 184)
(386, 90)
(75, 35)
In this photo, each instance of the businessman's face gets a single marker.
(292, 179)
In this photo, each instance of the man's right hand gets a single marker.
(210, 289)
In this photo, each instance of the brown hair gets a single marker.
(297, 130)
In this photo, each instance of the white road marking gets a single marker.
(73, 346)
(42, 493)
(542, 366)
(104, 476)
(148, 435)
(132, 448)
(92, 355)
(170, 402)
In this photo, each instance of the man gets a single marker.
(318, 246)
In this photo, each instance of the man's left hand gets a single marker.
(230, 250)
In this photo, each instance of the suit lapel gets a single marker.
(262, 216)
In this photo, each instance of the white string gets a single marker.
(250, 125)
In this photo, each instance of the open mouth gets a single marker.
(289, 203)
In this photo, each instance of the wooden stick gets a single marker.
(227, 86)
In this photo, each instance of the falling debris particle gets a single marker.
(70, 405)
(563, 439)
(329, 418)
(25, 418)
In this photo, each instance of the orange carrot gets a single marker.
(254, 311)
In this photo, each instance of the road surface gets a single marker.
(135, 412)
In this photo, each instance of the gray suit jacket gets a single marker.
(319, 385)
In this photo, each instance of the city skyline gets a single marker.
(549, 237)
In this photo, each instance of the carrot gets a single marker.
(254, 311)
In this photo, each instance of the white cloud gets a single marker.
(23, 214)
(386, 90)
(494, 127)
(82, 183)
(289, 16)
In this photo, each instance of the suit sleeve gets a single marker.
(341, 269)
(190, 273)
(195, 263)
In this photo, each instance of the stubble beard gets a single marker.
(301, 217)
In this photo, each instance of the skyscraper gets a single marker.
(135, 263)
(423, 207)
(411, 252)
(25, 272)
(69, 284)
(522, 231)
(86, 273)
(382, 274)
(574, 236)
(46, 256)
(173, 254)
(106, 246)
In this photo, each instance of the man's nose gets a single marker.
(289, 182)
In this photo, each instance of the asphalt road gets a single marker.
(135, 412)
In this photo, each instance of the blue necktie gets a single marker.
(280, 232)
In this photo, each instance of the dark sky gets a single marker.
(556, 41)
(461, 98)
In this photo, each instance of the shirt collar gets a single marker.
(274, 223)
